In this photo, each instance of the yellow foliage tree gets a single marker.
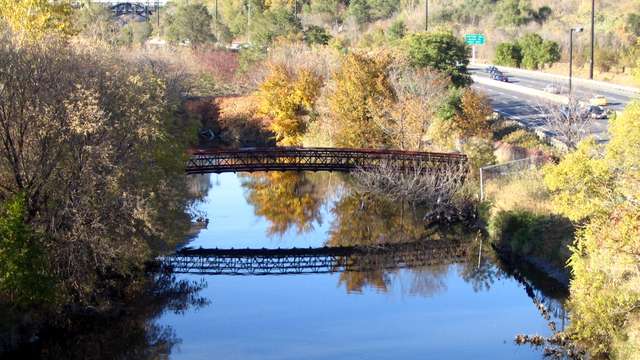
(360, 101)
(288, 97)
(601, 187)
(582, 183)
(32, 19)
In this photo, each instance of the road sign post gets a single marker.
(473, 40)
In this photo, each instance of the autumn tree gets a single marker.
(599, 186)
(91, 143)
(419, 92)
(359, 99)
(288, 96)
(33, 19)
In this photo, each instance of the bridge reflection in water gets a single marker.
(316, 260)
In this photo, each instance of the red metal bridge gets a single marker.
(204, 161)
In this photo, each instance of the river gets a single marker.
(449, 307)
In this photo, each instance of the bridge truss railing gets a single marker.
(313, 159)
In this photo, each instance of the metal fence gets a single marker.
(508, 169)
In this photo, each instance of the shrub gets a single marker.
(524, 139)
(316, 35)
(526, 233)
(508, 54)
(480, 153)
(397, 30)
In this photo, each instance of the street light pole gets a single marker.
(426, 15)
(593, 37)
(577, 29)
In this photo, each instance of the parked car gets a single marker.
(598, 100)
(552, 89)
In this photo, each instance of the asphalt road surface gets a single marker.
(530, 110)
(617, 99)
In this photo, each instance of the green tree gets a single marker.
(360, 10)
(508, 54)
(513, 12)
(274, 24)
(441, 51)
(96, 21)
(24, 277)
(330, 8)
(382, 9)
(633, 24)
(397, 30)
(316, 35)
(191, 23)
(537, 52)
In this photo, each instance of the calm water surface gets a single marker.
(452, 310)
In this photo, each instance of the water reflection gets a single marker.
(446, 303)
(131, 333)
(285, 199)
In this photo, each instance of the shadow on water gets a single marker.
(129, 333)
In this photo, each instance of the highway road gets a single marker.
(617, 98)
(529, 109)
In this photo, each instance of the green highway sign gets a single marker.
(474, 39)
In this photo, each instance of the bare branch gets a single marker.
(570, 123)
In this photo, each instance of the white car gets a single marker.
(552, 89)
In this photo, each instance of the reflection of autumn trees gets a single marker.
(285, 199)
(367, 220)
(373, 220)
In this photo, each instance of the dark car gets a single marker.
(499, 76)
(491, 69)
(598, 112)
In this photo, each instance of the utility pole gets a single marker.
(249, 21)
(426, 15)
(215, 24)
(577, 30)
(593, 37)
